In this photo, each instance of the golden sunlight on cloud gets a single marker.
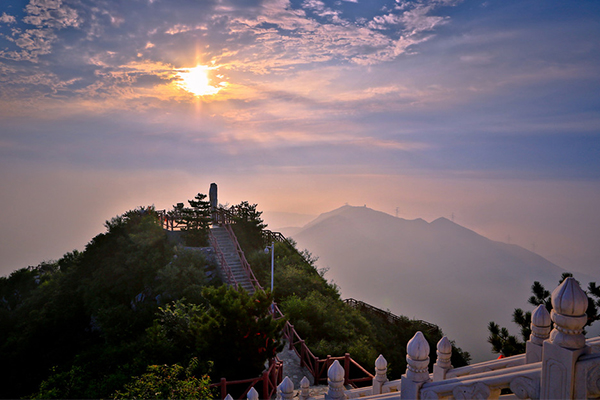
(196, 81)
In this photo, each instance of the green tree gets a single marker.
(196, 220)
(168, 382)
(508, 345)
(248, 226)
(232, 328)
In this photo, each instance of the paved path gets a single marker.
(292, 368)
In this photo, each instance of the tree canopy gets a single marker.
(123, 312)
(508, 345)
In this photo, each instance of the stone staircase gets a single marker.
(227, 247)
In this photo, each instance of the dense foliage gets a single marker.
(329, 325)
(168, 382)
(133, 316)
(83, 326)
(248, 225)
(508, 345)
(195, 220)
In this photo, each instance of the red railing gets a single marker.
(318, 367)
(243, 260)
(273, 376)
(224, 265)
(270, 379)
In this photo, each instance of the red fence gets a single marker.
(270, 379)
(317, 366)
(273, 376)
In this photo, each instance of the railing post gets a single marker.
(286, 388)
(335, 381)
(380, 374)
(253, 394)
(265, 380)
(346, 368)
(417, 372)
(304, 389)
(442, 364)
(540, 331)
(223, 388)
(566, 343)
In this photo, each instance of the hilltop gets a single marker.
(439, 271)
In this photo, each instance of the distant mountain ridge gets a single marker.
(440, 271)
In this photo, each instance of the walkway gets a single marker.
(232, 259)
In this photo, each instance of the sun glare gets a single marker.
(195, 80)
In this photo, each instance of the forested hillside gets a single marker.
(137, 315)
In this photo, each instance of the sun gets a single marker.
(195, 80)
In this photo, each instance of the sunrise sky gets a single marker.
(488, 110)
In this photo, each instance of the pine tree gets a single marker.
(196, 220)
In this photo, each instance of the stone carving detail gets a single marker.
(429, 395)
(593, 382)
(252, 394)
(335, 380)
(381, 369)
(540, 325)
(525, 388)
(417, 358)
(444, 353)
(569, 304)
(555, 377)
(475, 391)
(304, 389)
(286, 388)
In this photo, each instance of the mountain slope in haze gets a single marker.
(439, 272)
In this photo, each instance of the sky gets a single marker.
(487, 112)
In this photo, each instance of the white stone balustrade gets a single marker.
(442, 364)
(417, 369)
(380, 374)
(541, 324)
(558, 364)
(566, 343)
(252, 394)
(335, 380)
(304, 389)
(286, 389)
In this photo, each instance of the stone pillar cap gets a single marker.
(381, 362)
(569, 299)
(417, 347)
(336, 372)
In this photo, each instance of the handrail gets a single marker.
(316, 366)
(361, 304)
(269, 378)
(245, 263)
(224, 265)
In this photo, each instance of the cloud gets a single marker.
(7, 19)
(50, 13)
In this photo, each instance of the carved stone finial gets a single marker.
(444, 353)
(252, 394)
(336, 372)
(540, 325)
(381, 366)
(569, 299)
(380, 374)
(569, 304)
(417, 358)
(228, 397)
(304, 389)
(286, 388)
(335, 380)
